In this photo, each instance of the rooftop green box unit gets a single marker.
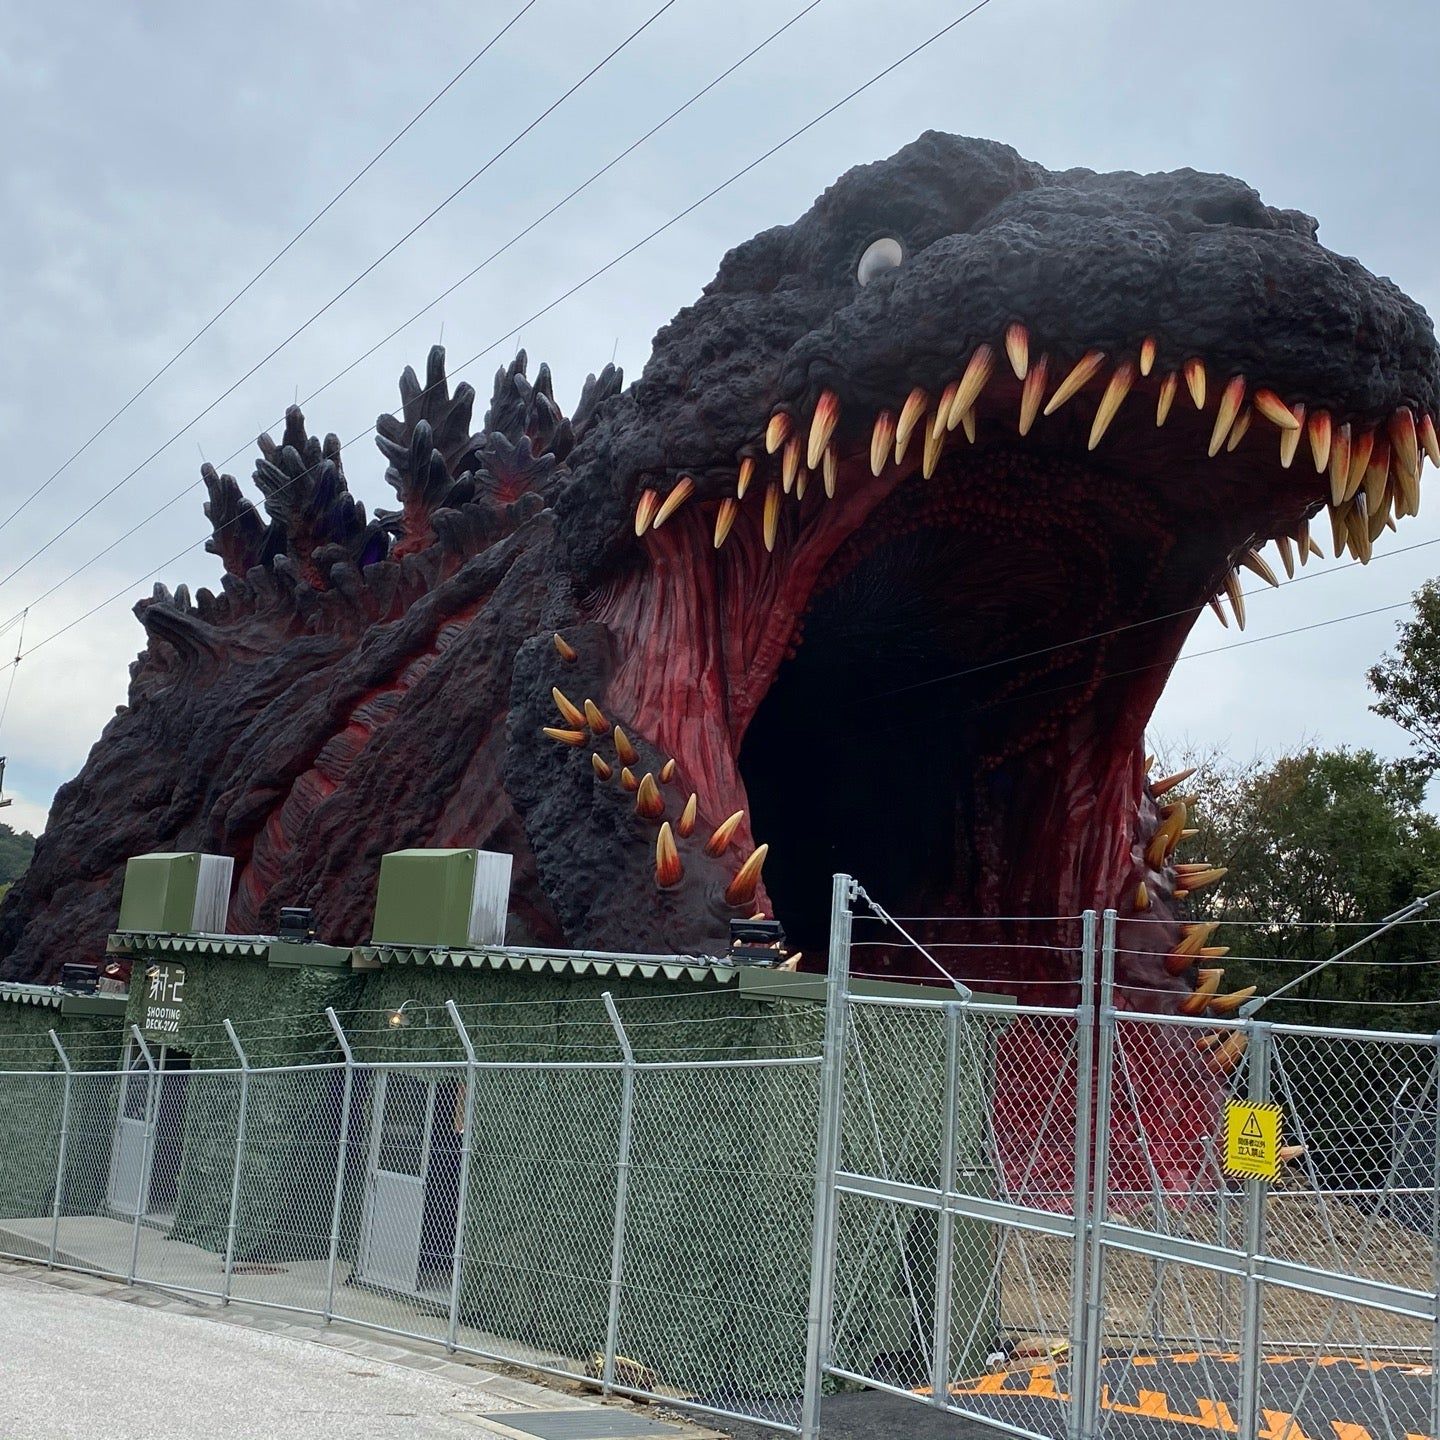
(185, 893)
(442, 897)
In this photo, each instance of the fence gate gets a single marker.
(951, 1258)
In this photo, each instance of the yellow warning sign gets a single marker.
(1252, 1139)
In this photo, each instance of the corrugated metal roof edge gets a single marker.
(19, 993)
(698, 970)
(557, 962)
(227, 947)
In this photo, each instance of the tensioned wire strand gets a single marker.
(566, 295)
(340, 294)
(187, 489)
(278, 255)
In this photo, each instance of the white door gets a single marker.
(127, 1147)
(395, 1194)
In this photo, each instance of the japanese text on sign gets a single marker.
(164, 1000)
(1252, 1139)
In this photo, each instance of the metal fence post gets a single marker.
(147, 1148)
(1435, 1246)
(1085, 1012)
(1086, 1383)
(827, 1155)
(1258, 1089)
(64, 1144)
(342, 1154)
(463, 1197)
(236, 1170)
(945, 1221)
(622, 1191)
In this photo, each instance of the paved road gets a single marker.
(84, 1365)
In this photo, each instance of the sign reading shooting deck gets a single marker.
(164, 1000)
(1252, 1139)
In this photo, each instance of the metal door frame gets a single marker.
(379, 1097)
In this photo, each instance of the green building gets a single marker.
(359, 1103)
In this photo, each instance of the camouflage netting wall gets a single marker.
(31, 1104)
(716, 1265)
(279, 1014)
(716, 1261)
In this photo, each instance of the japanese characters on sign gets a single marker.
(164, 1000)
(1252, 1139)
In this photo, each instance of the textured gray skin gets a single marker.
(238, 698)
(1085, 260)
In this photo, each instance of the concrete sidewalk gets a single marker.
(84, 1357)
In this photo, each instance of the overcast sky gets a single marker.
(158, 154)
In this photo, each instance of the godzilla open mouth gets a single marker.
(932, 633)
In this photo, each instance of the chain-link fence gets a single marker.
(1049, 1219)
(639, 1218)
(1017, 1211)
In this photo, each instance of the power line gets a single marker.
(1131, 625)
(340, 294)
(14, 671)
(1199, 654)
(277, 256)
(576, 288)
(186, 489)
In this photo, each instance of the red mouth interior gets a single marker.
(940, 685)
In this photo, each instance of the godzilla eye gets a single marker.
(880, 255)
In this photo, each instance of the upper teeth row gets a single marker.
(1370, 473)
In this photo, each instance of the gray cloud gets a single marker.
(159, 153)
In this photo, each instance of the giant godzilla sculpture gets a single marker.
(880, 566)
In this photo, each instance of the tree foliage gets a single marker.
(1407, 681)
(16, 848)
(1318, 843)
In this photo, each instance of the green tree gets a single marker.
(1407, 681)
(1318, 844)
(16, 848)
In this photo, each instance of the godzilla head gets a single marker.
(890, 550)
(879, 567)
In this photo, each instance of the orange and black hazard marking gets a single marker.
(1303, 1397)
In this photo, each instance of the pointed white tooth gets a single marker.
(746, 475)
(1168, 386)
(1082, 372)
(972, 383)
(1290, 439)
(1017, 350)
(915, 404)
(1317, 427)
(1111, 401)
(1147, 355)
(822, 426)
(1230, 400)
(1274, 409)
(1339, 463)
(1032, 393)
(778, 431)
(790, 463)
(1254, 560)
(1237, 597)
(935, 434)
(1194, 372)
(1287, 555)
(1238, 429)
(882, 439)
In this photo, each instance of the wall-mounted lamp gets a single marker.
(398, 1019)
